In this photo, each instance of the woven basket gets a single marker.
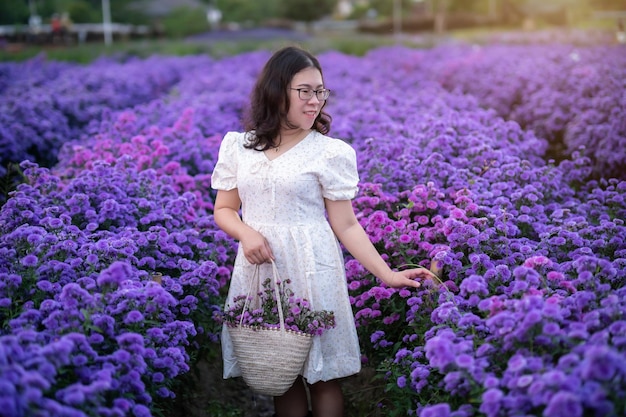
(270, 359)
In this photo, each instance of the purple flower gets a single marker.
(130, 341)
(30, 260)
(439, 351)
(554, 377)
(123, 404)
(524, 381)
(600, 362)
(295, 310)
(551, 329)
(133, 317)
(474, 285)
(491, 403)
(517, 363)
(437, 410)
(79, 360)
(73, 395)
(114, 274)
(140, 410)
(121, 356)
(464, 361)
(45, 285)
(564, 404)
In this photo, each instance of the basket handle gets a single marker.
(246, 304)
(278, 301)
(255, 279)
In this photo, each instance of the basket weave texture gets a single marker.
(270, 359)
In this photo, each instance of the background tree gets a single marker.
(81, 11)
(307, 10)
(385, 7)
(13, 11)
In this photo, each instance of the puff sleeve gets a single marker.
(339, 177)
(224, 175)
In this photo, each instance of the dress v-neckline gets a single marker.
(265, 153)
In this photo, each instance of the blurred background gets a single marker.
(77, 29)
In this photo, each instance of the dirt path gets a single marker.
(212, 396)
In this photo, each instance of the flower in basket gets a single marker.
(297, 312)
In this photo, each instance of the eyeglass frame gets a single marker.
(313, 93)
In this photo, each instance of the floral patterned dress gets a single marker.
(283, 199)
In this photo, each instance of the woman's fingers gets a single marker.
(411, 277)
(420, 273)
(404, 278)
(412, 283)
(259, 256)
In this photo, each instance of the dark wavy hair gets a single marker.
(269, 101)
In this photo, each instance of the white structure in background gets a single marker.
(344, 8)
(34, 24)
(214, 17)
(106, 22)
(621, 36)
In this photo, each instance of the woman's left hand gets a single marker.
(408, 278)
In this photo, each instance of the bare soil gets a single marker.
(210, 395)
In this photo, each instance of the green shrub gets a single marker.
(246, 11)
(185, 21)
(81, 12)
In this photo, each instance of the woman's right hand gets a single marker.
(256, 248)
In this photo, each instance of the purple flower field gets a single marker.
(504, 164)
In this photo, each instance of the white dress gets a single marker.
(283, 199)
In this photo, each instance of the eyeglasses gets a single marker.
(307, 93)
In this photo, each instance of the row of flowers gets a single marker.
(569, 95)
(533, 256)
(112, 270)
(109, 284)
(45, 104)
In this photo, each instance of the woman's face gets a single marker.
(302, 113)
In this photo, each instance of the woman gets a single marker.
(294, 187)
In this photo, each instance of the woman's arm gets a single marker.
(350, 233)
(256, 249)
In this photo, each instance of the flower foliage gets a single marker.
(51, 107)
(503, 164)
(262, 311)
(79, 269)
